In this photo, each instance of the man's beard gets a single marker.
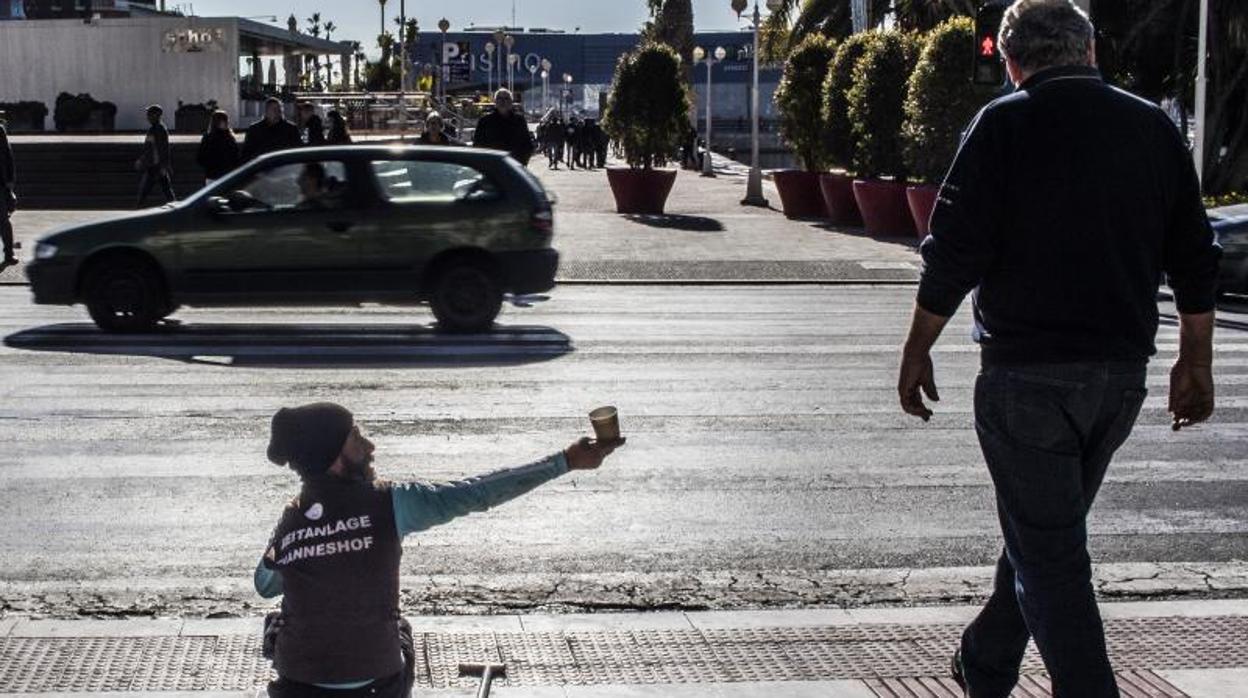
(359, 469)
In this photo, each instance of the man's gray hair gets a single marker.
(1039, 34)
(504, 93)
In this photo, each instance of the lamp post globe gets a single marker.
(720, 53)
(698, 54)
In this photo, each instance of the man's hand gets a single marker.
(588, 454)
(916, 373)
(1191, 393)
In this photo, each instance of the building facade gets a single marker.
(589, 61)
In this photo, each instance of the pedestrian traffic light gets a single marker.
(989, 69)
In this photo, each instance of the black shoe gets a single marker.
(957, 672)
(9, 262)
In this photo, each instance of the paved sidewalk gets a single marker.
(707, 236)
(1179, 648)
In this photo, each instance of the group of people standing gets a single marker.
(577, 141)
(220, 150)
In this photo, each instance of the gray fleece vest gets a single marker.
(338, 552)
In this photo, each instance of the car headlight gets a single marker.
(44, 250)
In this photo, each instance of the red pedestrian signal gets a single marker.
(988, 47)
(989, 69)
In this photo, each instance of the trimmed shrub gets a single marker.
(648, 110)
(799, 99)
(835, 108)
(876, 103)
(941, 100)
(24, 116)
(80, 112)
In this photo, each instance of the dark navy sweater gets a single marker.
(1066, 202)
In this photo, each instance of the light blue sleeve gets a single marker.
(268, 582)
(419, 506)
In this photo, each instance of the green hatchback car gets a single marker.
(456, 228)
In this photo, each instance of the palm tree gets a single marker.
(329, 29)
(672, 23)
(798, 19)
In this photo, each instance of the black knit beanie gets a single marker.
(309, 438)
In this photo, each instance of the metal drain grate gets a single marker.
(891, 657)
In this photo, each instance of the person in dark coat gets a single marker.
(270, 134)
(505, 129)
(156, 161)
(218, 149)
(572, 136)
(435, 131)
(8, 197)
(311, 129)
(338, 132)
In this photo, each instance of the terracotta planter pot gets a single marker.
(640, 191)
(885, 211)
(799, 194)
(922, 199)
(838, 198)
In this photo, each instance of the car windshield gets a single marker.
(423, 181)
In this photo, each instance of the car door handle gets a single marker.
(340, 226)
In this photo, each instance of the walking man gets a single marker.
(1066, 202)
(272, 133)
(8, 195)
(156, 162)
(505, 129)
(334, 555)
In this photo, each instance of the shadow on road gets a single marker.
(306, 345)
(673, 221)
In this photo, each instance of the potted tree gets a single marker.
(875, 111)
(940, 102)
(798, 99)
(193, 118)
(647, 112)
(837, 186)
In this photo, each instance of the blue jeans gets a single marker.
(1048, 433)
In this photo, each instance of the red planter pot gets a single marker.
(640, 191)
(922, 199)
(800, 194)
(838, 198)
(885, 211)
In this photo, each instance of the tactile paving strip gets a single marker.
(1131, 684)
(829, 271)
(890, 657)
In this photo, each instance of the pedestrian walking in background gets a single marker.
(339, 134)
(8, 195)
(1066, 202)
(435, 131)
(218, 150)
(272, 133)
(156, 162)
(505, 129)
(334, 554)
(572, 136)
(311, 128)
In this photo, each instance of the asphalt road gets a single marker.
(766, 450)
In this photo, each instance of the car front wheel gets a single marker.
(466, 297)
(125, 295)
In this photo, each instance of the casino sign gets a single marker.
(192, 40)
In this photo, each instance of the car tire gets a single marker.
(125, 295)
(465, 297)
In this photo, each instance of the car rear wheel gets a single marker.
(125, 295)
(466, 297)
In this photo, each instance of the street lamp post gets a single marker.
(567, 92)
(510, 41)
(382, 3)
(402, 68)
(754, 185)
(718, 55)
(444, 25)
(498, 46)
(546, 66)
(532, 76)
(489, 70)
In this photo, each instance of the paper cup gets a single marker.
(606, 423)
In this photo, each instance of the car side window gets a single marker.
(425, 181)
(297, 186)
